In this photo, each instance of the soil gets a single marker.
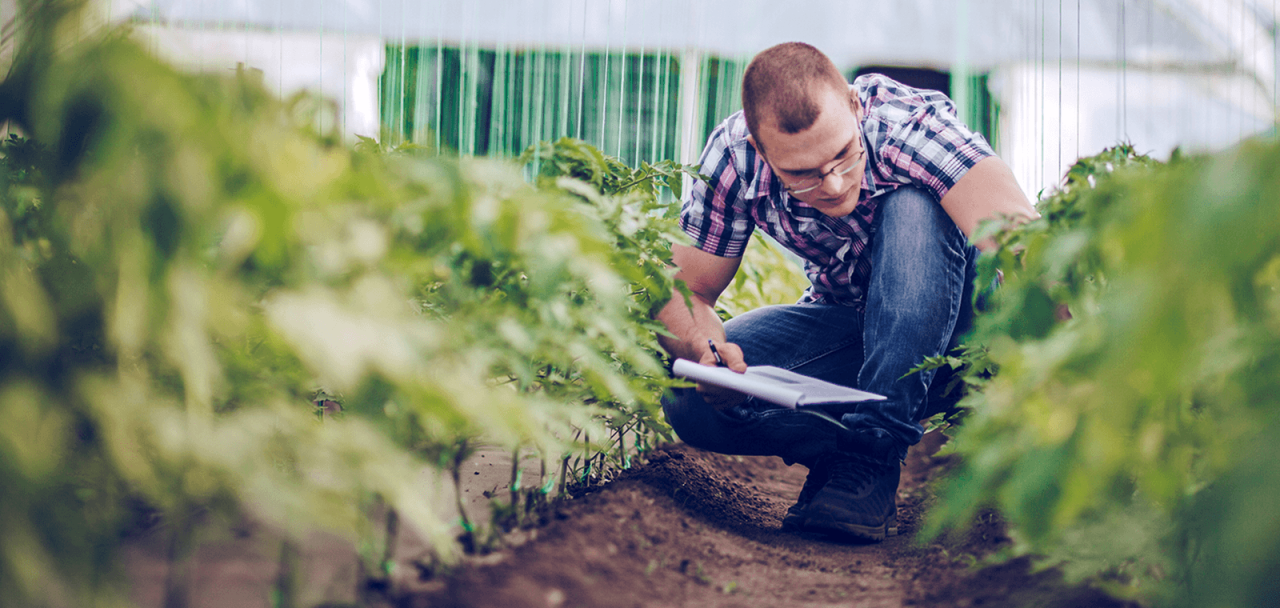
(693, 528)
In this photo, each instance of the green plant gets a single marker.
(630, 202)
(767, 276)
(1155, 395)
(188, 265)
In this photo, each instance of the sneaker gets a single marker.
(859, 501)
(796, 515)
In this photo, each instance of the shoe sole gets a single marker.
(793, 523)
(873, 534)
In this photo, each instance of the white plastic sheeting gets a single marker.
(1070, 76)
(914, 32)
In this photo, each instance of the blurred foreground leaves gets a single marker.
(1157, 401)
(187, 266)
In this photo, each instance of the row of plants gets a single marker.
(1136, 434)
(188, 268)
(210, 309)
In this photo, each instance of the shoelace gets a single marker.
(858, 472)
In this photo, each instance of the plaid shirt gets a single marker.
(912, 137)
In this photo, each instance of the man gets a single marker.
(877, 187)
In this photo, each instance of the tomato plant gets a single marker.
(188, 266)
(1150, 402)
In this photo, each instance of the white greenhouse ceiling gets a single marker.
(918, 32)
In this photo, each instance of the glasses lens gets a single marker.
(805, 185)
(812, 183)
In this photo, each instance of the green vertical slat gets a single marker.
(418, 102)
(402, 127)
(498, 116)
(279, 31)
(539, 95)
(640, 81)
(602, 137)
(582, 86)
(386, 89)
(459, 112)
(513, 83)
(711, 90)
(246, 27)
(566, 61)
(345, 93)
(624, 67)
(619, 69)
(725, 101)
(460, 95)
(472, 99)
(526, 102)
(722, 69)
(670, 118)
(470, 63)
(439, 95)
(658, 69)
(960, 80)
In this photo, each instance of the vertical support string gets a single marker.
(960, 61)
(566, 81)
(345, 80)
(527, 136)
(1120, 76)
(624, 61)
(320, 61)
(640, 99)
(1039, 92)
(497, 105)
(436, 124)
(659, 68)
(582, 77)
(279, 27)
(601, 139)
(539, 94)
(402, 132)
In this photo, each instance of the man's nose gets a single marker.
(832, 183)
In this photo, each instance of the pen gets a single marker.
(715, 352)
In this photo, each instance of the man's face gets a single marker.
(829, 153)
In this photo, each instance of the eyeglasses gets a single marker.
(842, 168)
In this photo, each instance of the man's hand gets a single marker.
(716, 396)
(694, 321)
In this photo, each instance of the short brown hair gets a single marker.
(779, 83)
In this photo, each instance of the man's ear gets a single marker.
(857, 104)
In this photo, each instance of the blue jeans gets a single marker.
(919, 303)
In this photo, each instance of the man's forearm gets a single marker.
(691, 326)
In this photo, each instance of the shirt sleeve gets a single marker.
(931, 147)
(715, 215)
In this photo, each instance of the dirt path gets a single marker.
(691, 528)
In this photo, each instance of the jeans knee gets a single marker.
(909, 209)
(687, 415)
(917, 235)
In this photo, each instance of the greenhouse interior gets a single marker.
(446, 229)
(1047, 82)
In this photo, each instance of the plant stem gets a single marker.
(286, 589)
(178, 578)
(389, 551)
(564, 475)
(456, 471)
(515, 491)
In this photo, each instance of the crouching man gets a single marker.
(877, 187)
